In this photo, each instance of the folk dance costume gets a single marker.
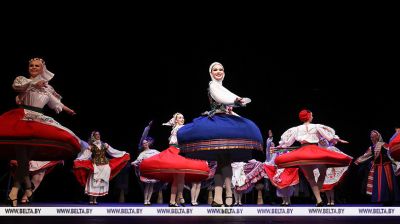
(166, 164)
(310, 156)
(142, 156)
(381, 184)
(38, 166)
(94, 170)
(310, 153)
(250, 173)
(334, 175)
(27, 128)
(220, 134)
(284, 179)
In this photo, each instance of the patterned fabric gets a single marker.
(99, 154)
(21, 128)
(312, 155)
(206, 138)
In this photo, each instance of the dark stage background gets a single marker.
(118, 75)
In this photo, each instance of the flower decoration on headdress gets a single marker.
(305, 115)
(46, 75)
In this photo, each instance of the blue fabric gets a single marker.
(220, 126)
(221, 136)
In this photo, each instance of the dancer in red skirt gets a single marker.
(169, 166)
(94, 170)
(27, 134)
(37, 171)
(310, 156)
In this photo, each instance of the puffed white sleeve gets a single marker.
(113, 152)
(326, 132)
(139, 159)
(221, 94)
(288, 138)
(55, 103)
(21, 84)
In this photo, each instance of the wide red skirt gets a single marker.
(164, 165)
(44, 142)
(394, 148)
(289, 177)
(83, 168)
(312, 155)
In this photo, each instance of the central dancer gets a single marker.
(221, 135)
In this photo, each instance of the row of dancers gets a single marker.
(219, 135)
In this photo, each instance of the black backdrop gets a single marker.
(118, 75)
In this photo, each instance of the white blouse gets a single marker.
(173, 139)
(36, 97)
(221, 94)
(307, 133)
(86, 153)
(144, 155)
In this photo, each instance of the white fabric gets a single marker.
(144, 155)
(36, 97)
(173, 139)
(46, 75)
(86, 154)
(37, 165)
(333, 174)
(221, 94)
(98, 181)
(238, 175)
(172, 121)
(307, 133)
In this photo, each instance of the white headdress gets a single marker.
(210, 71)
(46, 75)
(172, 121)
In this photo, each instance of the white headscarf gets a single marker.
(210, 71)
(172, 121)
(46, 75)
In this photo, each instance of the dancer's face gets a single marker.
(179, 119)
(145, 144)
(374, 137)
(218, 72)
(97, 135)
(35, 68)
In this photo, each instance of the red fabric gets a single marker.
(304, 115)
(312, 155)
(289, 177)
(328, 187)
(394, 148)
(45, 142)
(164, 165)
(83, 168)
